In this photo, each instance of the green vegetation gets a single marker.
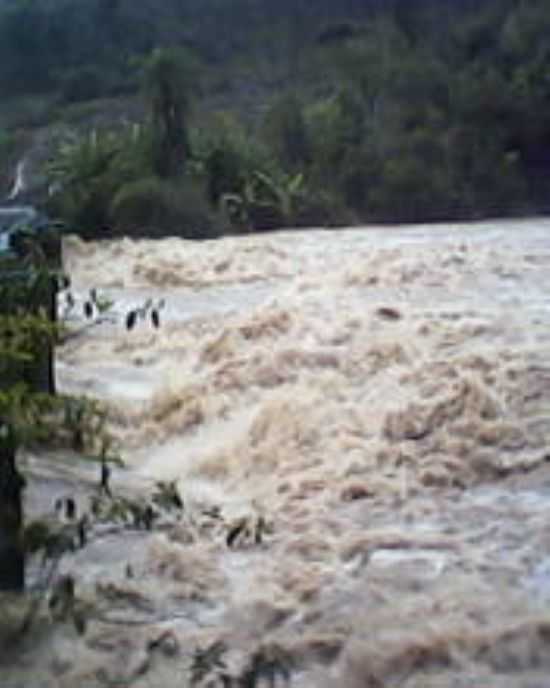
(30, 412)
(28, 405)
(326, 113)
(169, 81)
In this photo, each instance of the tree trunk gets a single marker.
(12, 559)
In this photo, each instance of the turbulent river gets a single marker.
(380, 397)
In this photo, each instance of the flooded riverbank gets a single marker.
(379, 397)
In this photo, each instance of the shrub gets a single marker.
(322, 208)
(409, 191)
(224, 173)
(153, 207)
(227, 155)
(87, 173)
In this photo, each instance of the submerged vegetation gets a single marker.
(295, 116)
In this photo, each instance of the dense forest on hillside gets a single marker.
(249, 114)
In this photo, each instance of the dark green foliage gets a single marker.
(405, 110)
(169, 81)
(224, 173)
(151, 206)
(265, 201)
(88, 172)
(323, 208)
(226, 155)
(286, 132)
(27, 332)
(26, 383)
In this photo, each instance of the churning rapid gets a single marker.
(380, 398)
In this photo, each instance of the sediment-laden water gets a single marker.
(379, 397)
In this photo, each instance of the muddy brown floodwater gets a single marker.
(380, 397)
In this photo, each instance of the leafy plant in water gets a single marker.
(167, 495)
(103, 304)
(267, 663)
(208, 662)
(75, 420)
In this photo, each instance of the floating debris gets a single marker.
(388, 313)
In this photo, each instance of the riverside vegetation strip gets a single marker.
(328, 114)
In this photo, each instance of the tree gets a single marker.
(285, 130)
(86, 174)
(170, 81)
(23, 339)
(12, 570)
